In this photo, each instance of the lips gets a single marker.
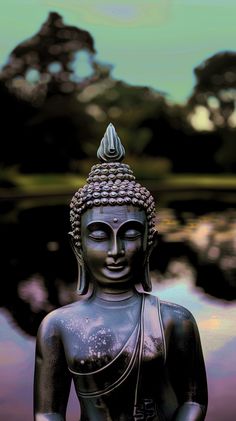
(115, 268)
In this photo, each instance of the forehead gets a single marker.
(117, 215)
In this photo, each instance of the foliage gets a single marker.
(215, 90)
(60, 112)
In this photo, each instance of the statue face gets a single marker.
(114, 244)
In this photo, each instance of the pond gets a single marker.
(194, 265)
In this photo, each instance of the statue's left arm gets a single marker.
(187, 368)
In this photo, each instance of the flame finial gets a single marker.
(111, 148)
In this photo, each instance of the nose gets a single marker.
(116, 248)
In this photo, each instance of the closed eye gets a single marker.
(98, 235)
(131, 234)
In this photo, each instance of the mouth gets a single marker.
(115, 268)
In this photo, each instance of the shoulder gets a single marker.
(170, 311)
(52, 323)
(50, 332)
(62, 318)
(178, 321)
(175, 312)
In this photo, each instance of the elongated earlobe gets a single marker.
(146, 282)
(83, 283)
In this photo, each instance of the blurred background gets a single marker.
(164, 73)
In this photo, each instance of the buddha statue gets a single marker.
(130, 355)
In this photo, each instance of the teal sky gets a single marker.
(150, 42)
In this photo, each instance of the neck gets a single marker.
(109, 294)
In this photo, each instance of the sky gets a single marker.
(153, 43)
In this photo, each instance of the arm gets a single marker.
(190, 411)
(52, 378)
(187, 368)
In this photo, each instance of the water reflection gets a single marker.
(16, 381)
(216, 322)
(195, 255)
(208, 243)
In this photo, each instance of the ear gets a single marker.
(154, 243)
(75, 248)
(155, 239)
(83, 283)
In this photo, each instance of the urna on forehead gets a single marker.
(109, 184)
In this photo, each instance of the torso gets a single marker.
(100, 339)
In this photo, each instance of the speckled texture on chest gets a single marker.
(94, 338)
(97, 347)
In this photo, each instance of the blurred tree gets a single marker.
(69, 99)
(215, 94)
(57, 59)
(216, 88)
(14, 113)
(61, 100)
(172, 138)
(38, 87)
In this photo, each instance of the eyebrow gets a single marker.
(96, 224)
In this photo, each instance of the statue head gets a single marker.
(112, 201)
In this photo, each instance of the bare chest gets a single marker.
(95, 338)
